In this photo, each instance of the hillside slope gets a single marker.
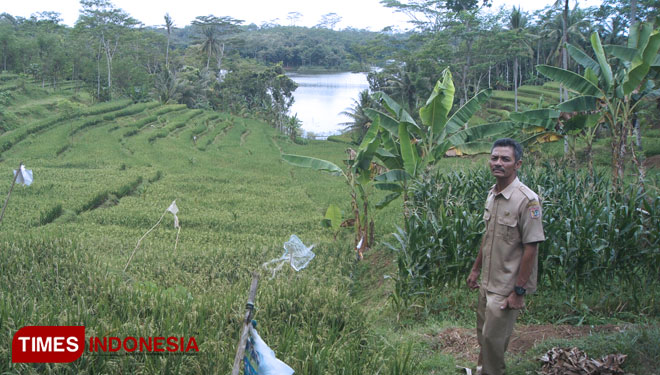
(104, 175)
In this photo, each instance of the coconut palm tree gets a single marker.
(360, 122)
(169, 25)
(520, 46)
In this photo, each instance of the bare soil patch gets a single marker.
(462, 342)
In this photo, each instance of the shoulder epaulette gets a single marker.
(528, 192)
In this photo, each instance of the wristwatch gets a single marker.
(519, 290)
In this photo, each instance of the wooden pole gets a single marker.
(2, 214)
(249, 309)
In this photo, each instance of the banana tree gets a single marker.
(408, 148)
(610, 94)
(538, 126)
(358, 175)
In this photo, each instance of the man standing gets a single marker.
(508, 255)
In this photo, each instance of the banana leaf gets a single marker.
(390, 104)
(434, 113)
(389, 187)
(620, 52)
(461, 117)
(591, 76)
(387, 200)
(479, 132)
(313, 163)
(384, 120)
(579, 104)
(366, 154)
(546, 117)
(582, 58)
(333, 217)
(605, 69)
(582, 121)
(408, 150)
(544, 137)
(372, 133)
(395, 109)
(473, 148)
(395, 175)
(571, 80)
(640, 67)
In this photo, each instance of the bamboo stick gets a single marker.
(2, 214)
(249, 309)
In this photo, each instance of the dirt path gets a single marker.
(462, 342)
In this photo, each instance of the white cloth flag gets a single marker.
(174, 210)
(24, 177)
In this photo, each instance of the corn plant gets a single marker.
(595, 236)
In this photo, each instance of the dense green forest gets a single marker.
(205, 64)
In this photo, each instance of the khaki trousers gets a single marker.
(494, 328)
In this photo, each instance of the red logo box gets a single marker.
(48, 344)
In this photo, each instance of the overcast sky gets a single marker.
(362, 14)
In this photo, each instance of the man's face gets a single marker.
(503, 162)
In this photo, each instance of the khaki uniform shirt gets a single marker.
(513, 218)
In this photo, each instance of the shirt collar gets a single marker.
(506, 193)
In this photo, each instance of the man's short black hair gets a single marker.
(508, 142)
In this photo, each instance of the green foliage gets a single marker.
(333, 217)
(594, 239)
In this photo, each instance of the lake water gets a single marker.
(320, 98)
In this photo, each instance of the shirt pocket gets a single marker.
(509, 229)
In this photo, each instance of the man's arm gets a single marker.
(515, 301)
(476, 267)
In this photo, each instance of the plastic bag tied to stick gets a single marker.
(296, 253)
(261, 360)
